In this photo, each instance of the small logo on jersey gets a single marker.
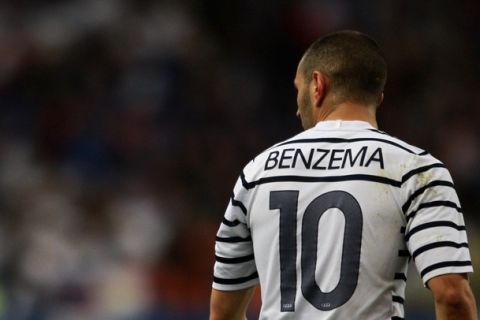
(287, 307)
(324, 159)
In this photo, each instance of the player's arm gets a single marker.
(453, 297)
(230, 305)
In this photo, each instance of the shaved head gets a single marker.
(353, 64)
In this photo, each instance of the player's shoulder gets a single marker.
(298, 137)
(256, 165)
(398, 145)
(411, 156)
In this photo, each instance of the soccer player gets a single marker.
(328, 220)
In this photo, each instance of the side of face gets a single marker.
(305, 107)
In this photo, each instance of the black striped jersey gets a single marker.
(328, 221)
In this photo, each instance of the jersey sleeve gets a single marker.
(435, 231)
(234, 260)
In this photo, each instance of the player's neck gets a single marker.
(348, 111)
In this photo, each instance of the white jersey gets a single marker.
(328, 221)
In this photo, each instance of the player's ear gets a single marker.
(319, 87)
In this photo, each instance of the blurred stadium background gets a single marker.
(124, 125)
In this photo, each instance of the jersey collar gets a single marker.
(342, 124)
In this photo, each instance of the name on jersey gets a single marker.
(324, 159)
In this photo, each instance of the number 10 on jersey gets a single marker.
(287, 203)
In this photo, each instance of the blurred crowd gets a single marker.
(124, 125)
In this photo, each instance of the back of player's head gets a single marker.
(353, 63)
